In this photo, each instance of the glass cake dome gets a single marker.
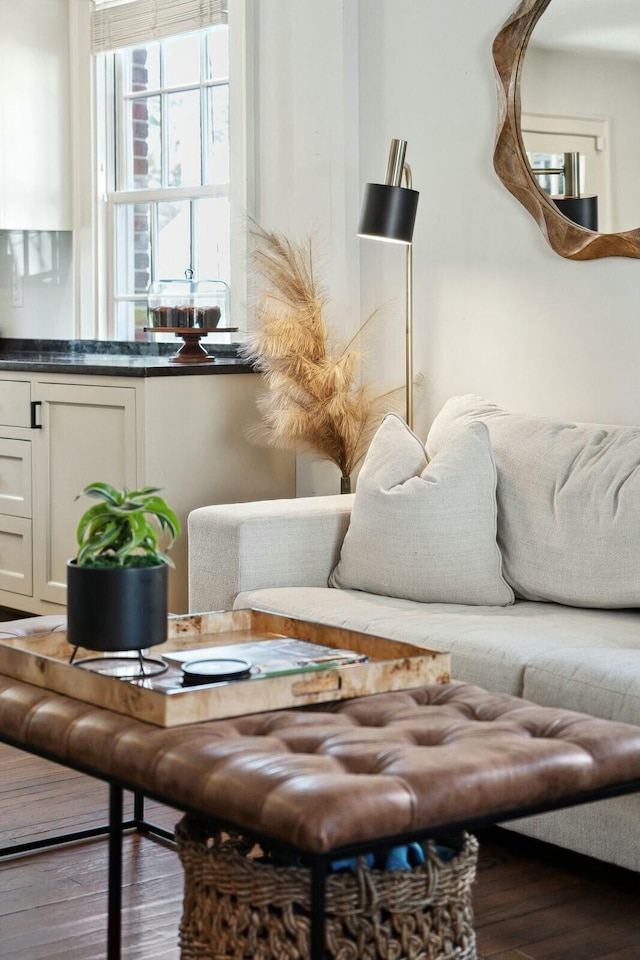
(188, 303)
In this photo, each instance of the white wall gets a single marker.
(497, 312)
(307, 173)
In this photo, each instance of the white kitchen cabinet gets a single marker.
(16, 548)
(15, 517)
(16, 484)
(15, 478)
(184, 434)
(15, 400)
(88, 433)
(35, 139)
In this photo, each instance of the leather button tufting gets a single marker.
(343, 773)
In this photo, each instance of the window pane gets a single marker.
(145, 146)
(123, 321)
(174, 240)
(130, 320)
(218, 54)
(124, 256)
(182, 60)
(183, 119)
(143, 67)
(133, 248)
(214, 258)
(219, 124)
(142, 247)
(140, 320)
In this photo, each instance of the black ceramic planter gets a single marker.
(116, 609)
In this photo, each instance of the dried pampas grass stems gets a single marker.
(315, 399)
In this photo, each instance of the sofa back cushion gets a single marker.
(568, 503)
(425, 531)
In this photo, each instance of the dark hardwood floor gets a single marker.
(8, 613)
(53, 904)
(532, 902)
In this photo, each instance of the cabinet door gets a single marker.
(88, 433)
(15, 477)
(15, 555)
(15, 403)
(35, 173)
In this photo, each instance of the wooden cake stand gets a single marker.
(192, 350)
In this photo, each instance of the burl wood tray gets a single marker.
(43, 660)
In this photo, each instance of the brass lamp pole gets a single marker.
(389, 213)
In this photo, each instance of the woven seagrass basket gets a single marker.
(240, 908)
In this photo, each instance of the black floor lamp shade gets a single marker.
(388, 212)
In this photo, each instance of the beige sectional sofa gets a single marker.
(567, 531)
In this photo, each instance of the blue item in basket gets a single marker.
(403, 858)
(351, 863)
(445, 853)
(399, 858)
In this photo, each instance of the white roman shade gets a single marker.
(124, 23)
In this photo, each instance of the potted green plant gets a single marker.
(117, 583)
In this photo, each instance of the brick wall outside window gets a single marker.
(140, 130)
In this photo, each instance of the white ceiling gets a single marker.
(590, 25)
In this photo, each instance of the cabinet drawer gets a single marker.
(16, 555)
(15, 477)
(15, 403)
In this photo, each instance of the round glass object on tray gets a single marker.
(214, 670)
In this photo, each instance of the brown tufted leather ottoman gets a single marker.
(345, 777)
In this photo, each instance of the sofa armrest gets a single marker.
(269, 543)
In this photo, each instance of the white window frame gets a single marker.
(116, 93)
(93, 217)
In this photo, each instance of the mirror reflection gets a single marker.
(580, 87)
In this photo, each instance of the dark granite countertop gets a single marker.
(113, 358)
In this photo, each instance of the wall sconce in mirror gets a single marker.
(565, 234)
(582, 210)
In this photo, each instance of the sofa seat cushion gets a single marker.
(568, 503)
(490, 646)
(602, 682)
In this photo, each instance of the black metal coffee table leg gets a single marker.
(319, 867)
(114, 915)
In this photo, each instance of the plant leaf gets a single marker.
(98, 543)
(140, 495)
(137, 530)
(125, 524)
(166, 517)
(104, 491)
(87, 519)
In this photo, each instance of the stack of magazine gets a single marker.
(272, 658)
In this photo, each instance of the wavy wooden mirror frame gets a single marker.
(510, 159)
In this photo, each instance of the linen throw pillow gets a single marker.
(568, 502)
(424, 530)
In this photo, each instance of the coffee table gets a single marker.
(338, 779)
